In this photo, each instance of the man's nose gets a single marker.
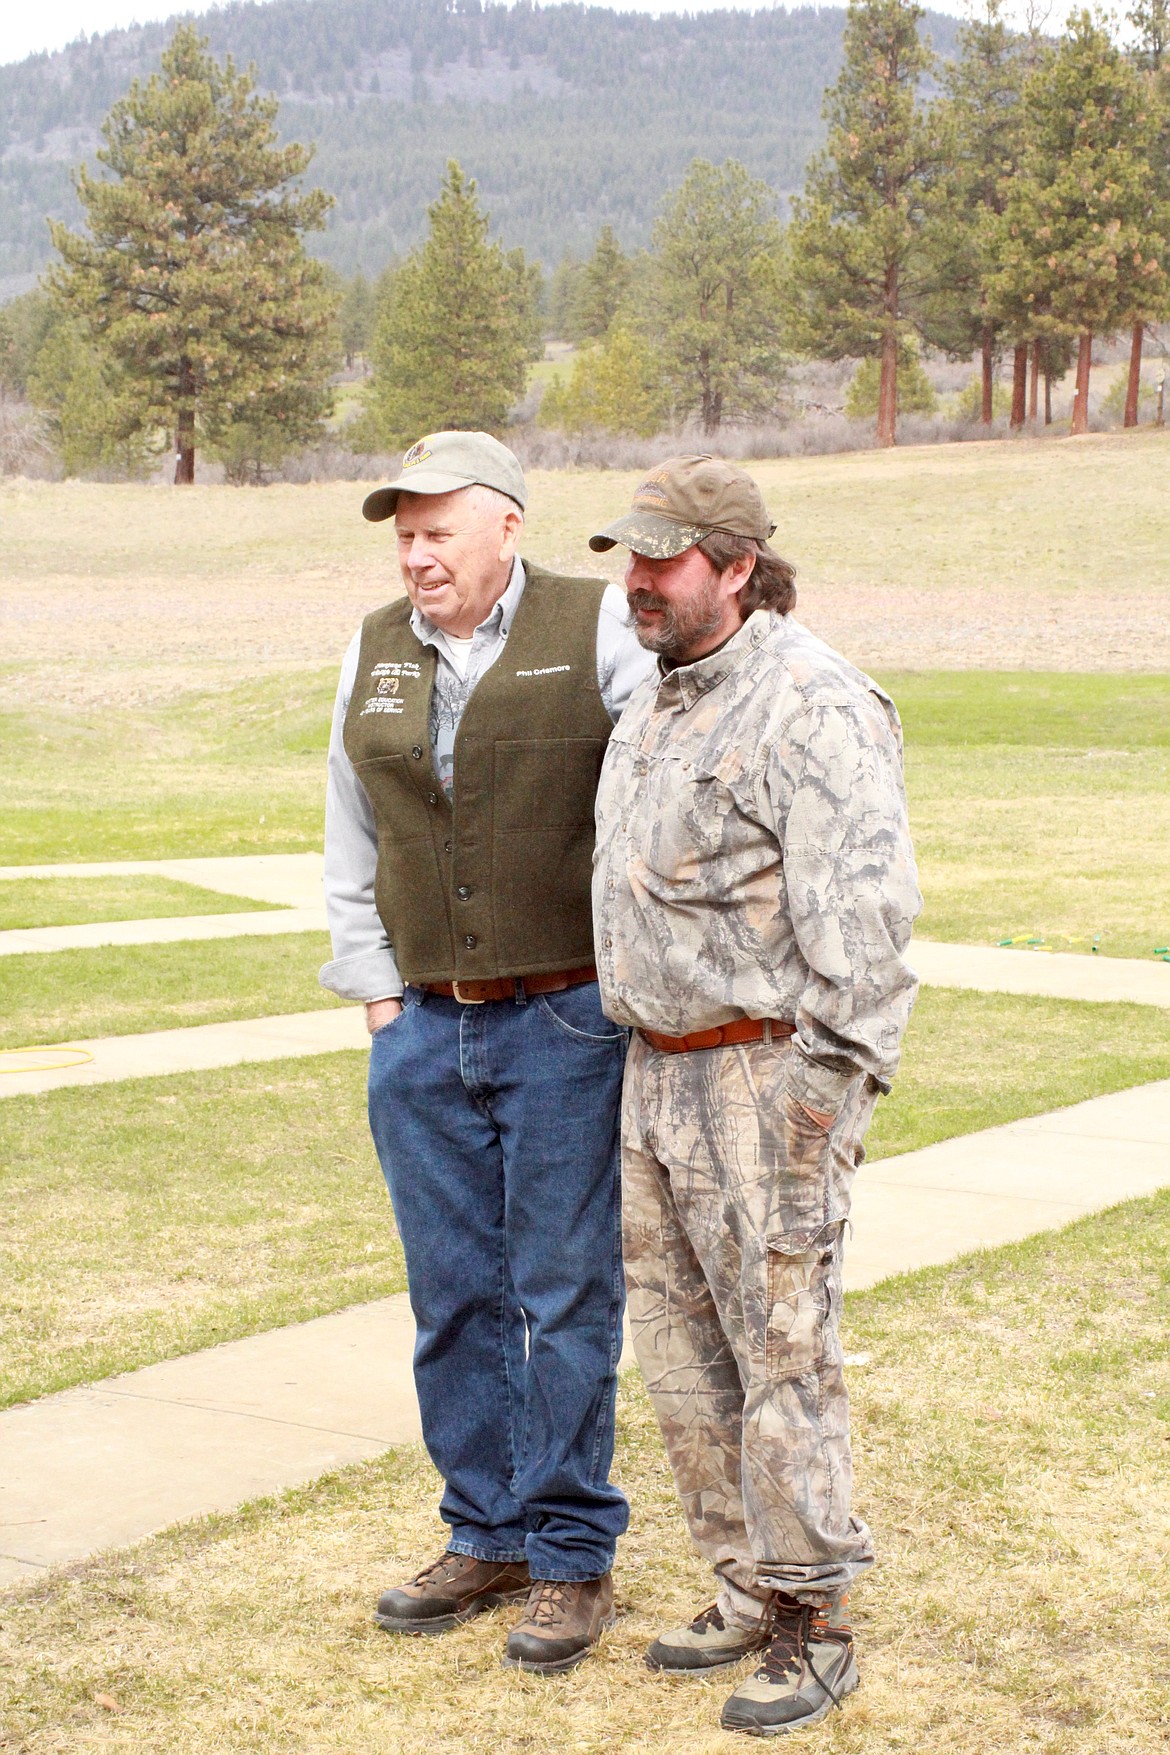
(636, 571)
(419, 556)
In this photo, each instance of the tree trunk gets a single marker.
(1047, 386)
(185, 430)
(1135, 376)
(1019, 387)
(1034, 384)
(987, 411)
(1080, 413)
(887, 411)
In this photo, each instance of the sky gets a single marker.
(53, 23)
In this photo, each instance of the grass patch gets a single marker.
(1040, 805)
(119, 990)
(232, 771)
(1019, 1510)
(153, 1217)
(975, 1060)
(63, 901)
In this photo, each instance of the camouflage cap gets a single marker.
(683, 500)
(442, 462)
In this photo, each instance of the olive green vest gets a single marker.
(497, 882)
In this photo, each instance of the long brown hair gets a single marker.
(771, 583)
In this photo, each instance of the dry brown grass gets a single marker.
(1038, 554)
(1013, 1437)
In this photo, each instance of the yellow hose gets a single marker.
(27, 1060)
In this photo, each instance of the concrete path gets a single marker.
(30, 1071)
(171, 929)
(106, 1465)
(291, 880)
(1056, 974)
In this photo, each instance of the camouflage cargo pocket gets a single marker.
(800, 1264)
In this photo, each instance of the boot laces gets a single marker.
(548, 1602)
(707, 1618)
(439, 1571)
(789, 1651)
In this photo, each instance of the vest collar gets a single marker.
(687, 683)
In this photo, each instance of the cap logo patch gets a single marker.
(418, 453)
(650, 494)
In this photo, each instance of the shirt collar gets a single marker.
(498, 621)
(687, 683)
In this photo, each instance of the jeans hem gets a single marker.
(512, 1557)
(561, 1572)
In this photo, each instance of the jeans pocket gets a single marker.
(799, 1300)
(576, 1012)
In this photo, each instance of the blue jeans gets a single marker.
(497, 1130)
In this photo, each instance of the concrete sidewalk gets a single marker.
(106, 1465)
(18, 941)
(102, 1059)
(1052, 975)
(291, 880)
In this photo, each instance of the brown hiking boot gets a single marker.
(808, 1668)
(561, 1624)
(451, 1589)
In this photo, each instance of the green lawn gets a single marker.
(149, 1218)
(72, 901)
(1012, 1435)
(1040, 805)
(59, 996)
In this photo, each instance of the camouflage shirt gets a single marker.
(753, 856)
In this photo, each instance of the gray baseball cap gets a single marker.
(442, 462)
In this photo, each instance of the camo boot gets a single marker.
(807, 1669)
(708, 1643)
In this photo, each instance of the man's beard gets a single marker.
(682, 625)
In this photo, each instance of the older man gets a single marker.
(470, 725)
(754, 892)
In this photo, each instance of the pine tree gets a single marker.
(1079, 245)
(356, 318)
(1151, 21)
(601, 289)
(459, 325)
(713, 300)
(981, 124)
(614, 386)
(858, 265)
(193, 283)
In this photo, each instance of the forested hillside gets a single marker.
(569, 116)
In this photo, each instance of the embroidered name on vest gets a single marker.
(389, 678)
(548, 670)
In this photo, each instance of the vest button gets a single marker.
(463, 892)
(416, 752)
(471, 941)
(432, 798)
(448, 846)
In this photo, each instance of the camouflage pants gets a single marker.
(734, 1207)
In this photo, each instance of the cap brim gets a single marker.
(648, 533)
(383, 502)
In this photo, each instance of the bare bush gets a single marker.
(24, 440)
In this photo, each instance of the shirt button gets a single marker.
(471, 941)
(432, 798)
(416, 752)
(448, 846)
(463, 892)
(609, 944)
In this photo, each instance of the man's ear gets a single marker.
(737, 574)
(509, 542)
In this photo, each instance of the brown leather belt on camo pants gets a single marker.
(510, 986)
(722, 1036)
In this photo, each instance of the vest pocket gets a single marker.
(545, 783)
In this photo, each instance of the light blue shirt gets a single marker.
(363, 965)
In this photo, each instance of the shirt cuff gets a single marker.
(368, 976)
(818, 1087)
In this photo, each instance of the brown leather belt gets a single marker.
(510, 986)
(722, 1036)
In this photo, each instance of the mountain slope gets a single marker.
(569, 116)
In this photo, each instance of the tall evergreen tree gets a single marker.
(603, 285)
(858, 263)
(458, 326)
(1079, 243)
(193, 282)
(1151, 22)
(713, 295)
(981, 122)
